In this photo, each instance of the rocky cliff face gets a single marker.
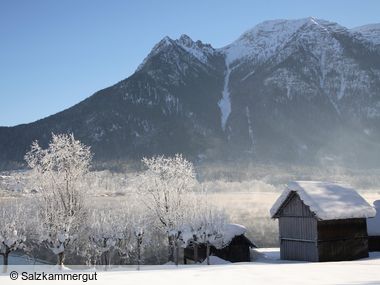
(310, 90)
(303, 91)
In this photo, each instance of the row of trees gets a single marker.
(167, 200)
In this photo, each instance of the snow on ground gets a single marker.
(266, 270)
(214, 260)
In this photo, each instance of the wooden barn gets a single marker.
(236, 247)
(321, 221)
(373, 227)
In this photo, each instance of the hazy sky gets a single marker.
(53, 54)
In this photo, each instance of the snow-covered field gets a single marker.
(266, 270)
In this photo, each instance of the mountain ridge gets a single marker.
(281, 92)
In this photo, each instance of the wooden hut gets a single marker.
(321, 221)
(373, 227)
(234, 248)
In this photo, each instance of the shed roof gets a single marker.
(228, 233)
(231, 231)
(328, 201)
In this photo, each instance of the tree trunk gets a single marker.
(176, 253)
(208, 253)
(138, 253)
(61, 259)
(5, 261)
(195, 252)
(171, 249)
(106, 260)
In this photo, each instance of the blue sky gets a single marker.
(53, 54)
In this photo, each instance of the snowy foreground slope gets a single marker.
(268, 269)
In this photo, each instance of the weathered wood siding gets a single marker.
(294, 206)
(304, 228)
(298, 231)
(304, 237)
(296, 250)
(374, 243)
(342, 229)
(342, 239)
(237, 251)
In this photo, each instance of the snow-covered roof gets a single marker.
(233, 230)
(328, 201)
(373, 224)
(224, 237)
(229, 231)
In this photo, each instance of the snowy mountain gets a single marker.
(304, 91)
(310, 88)
(370, 32)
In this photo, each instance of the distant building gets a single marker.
(321, 221)
(373, 227)
(235, 247)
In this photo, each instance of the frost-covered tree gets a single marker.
(134, 224)
(58, 172)
(105, 235)
(117, 235)
(139, 236)
(206, 226)
(13, 231)
(211, 231)
(165, 186)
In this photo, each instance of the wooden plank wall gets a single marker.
(298, 231)
(296, 250)
(374, 243)
(342, 239)
(303, 237)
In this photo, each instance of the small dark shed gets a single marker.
(321, 221)
(236, 247)
(373, 227)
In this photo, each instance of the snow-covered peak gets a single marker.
(283, 28)
(185, 40)
(262, 41)
(369, 32)
(197, 49)
(161, 45)
(370, 27)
